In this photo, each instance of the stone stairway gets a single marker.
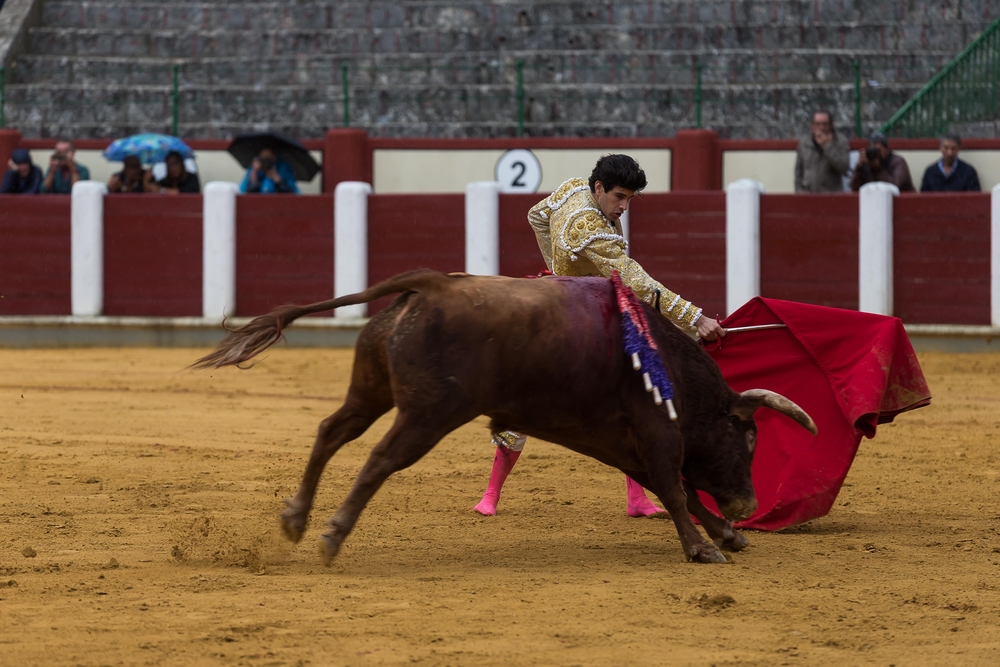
(449, 69)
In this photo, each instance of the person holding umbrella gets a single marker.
(132, 178)
(178, 179)
(273, 161)
(268, 173)
(139, 149)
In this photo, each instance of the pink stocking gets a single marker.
(503, 463)
(638, 504)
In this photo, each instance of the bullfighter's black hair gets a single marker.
(618, 170)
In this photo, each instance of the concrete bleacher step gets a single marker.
(486, 68)
(634, 110)
(688, 37)
(987, 129)
(255, 16)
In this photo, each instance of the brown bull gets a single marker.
(542, 357)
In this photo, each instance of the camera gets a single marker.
(58, 157)
(266, 164)
(873, 153)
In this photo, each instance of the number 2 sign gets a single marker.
(518, 170)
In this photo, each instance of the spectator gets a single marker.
(132, 178)
(23, 177)
(950, 174)
(63, 170)
(878, 163)
(269, 173)
(178, 178)
(823, 157)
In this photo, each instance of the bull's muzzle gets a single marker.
(739, 509)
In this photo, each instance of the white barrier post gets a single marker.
(350, 243)
(742, 242)
(218, 256)
(482, 228)
(87, 248)
(995, 256)
(875, 274)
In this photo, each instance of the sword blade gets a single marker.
(756, 327)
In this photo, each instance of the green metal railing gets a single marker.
(857, 98)
(3, 96)
(964, 91)
(697, 96)
(520, 98)
(345, 94)
(175, 101)
(648, 95)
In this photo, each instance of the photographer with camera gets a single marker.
(63, 170)
(879, 163)
(269, 173)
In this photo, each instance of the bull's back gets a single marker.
(498, 334)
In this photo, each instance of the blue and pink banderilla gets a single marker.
(639, 344)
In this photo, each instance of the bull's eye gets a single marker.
(751, 441)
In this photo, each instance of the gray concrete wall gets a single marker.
(448, 68)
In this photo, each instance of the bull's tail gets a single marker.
(262, 332)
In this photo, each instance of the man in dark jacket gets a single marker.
(823, 157)
(878, 163)
(23, 178)
(949, 174)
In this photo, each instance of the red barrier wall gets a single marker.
(809, 248)
(519, 253)
(407, 232)
(696, 161)
(35, 255)
(284, 251)
(941, 258)
(152, 255)
(680, 239)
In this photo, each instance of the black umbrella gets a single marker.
(245, 147)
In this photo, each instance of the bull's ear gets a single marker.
(748, 402)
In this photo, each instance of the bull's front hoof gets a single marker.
(706, 553)
(329, 546)
(735, 542)
(293, 522)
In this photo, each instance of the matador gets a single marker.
(578, 229)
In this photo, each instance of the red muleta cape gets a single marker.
(850, 371)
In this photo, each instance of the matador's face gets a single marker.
(613, 203)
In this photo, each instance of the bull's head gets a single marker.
(727, 476)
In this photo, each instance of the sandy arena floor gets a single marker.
(138, 507)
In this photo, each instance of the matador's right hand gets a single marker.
(708, 328)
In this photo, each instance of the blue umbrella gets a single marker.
(149, 148)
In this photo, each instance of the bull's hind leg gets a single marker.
(406, 442)
(720, 530)
(346, 424)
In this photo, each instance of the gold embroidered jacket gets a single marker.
(577, 240)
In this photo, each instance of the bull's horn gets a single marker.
(752, 399)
